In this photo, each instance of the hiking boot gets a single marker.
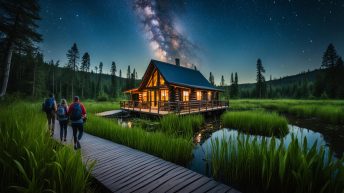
(75, 147)
(64, 139)
(78, 145)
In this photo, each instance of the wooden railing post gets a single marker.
(150, 106)
(189, 102)
(199, 106)
(158, 107)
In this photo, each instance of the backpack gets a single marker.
(76, 112)
(49, 105)
(61, 113)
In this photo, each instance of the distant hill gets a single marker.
(310, 76)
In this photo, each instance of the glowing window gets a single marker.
(144, 96)
(198, 95)
(164, 95)
(209, 96)
(185, 95)
(153, 80)
(162, 81)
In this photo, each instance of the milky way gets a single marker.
(167, 43)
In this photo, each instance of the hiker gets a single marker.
(49, 108)
(62, 116)
(77, 114)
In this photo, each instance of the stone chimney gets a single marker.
(177, 62)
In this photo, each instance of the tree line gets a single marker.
(25, 73)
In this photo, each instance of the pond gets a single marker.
(329, 136)
(202, 148)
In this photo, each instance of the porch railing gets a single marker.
(165, 107)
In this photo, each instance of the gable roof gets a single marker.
(180, 75)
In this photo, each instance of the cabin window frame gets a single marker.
(199, 95)
(185, 95)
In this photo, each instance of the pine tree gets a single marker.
(260, 85)
(99, 84)
(236, 93)
(73, 57)
(133, 79)
(113, 79)
(231, 89)
(120, 80)
(127, 86)
(222, 83)
(85, 66)
(18, 25)
(330, 58)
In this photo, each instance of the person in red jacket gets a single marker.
(77, 114)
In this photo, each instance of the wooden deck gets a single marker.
(123, 169)
(154, 111)
(161, 108)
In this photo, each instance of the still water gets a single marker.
(202, 149)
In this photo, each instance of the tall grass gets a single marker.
(266, 166)
(177, 150)
(97, 107)
(183, 126)
(331, 111)
(256, 122)
(30, 160)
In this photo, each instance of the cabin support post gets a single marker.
(158, 107)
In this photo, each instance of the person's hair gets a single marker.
(64, 102)
(76, 99)
(51, 95)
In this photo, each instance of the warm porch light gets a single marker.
(198, 95)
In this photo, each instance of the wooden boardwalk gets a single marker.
(123, 169)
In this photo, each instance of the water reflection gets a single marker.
(202, 149)
(125, 122)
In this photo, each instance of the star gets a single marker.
(310, 41)
(60, 18)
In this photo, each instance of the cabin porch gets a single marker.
(178, 107)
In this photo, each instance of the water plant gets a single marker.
(174, 149)
(30, 160)
(256, 122)
(183, 126)
(269, 165)
(331, 111)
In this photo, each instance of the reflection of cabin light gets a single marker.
(198, 138)
(129, 124)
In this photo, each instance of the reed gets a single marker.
(30, 160)
(269, 165)
(97, 107)
(174, 149)
(256, 122)
(183, 126)
(331, 111)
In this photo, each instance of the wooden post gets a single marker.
(199, 106)
(178, 106)
(150, 106)
(158, 107)
(189, 106)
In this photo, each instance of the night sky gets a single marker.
(289, 36)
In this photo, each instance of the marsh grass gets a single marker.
(183, 126)
(263, 165)
(174, 149)
(30, 160)
(331, 111)
(97, 107)
(256, 122)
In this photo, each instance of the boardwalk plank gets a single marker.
(123, 169)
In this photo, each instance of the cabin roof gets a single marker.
(183, 76)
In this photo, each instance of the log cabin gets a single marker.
(170, 88)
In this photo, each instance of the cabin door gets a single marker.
(152, 99)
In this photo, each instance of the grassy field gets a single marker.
(30, 160)
(183, 126)
(256, 122)
(266, 166)
(331, 111)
